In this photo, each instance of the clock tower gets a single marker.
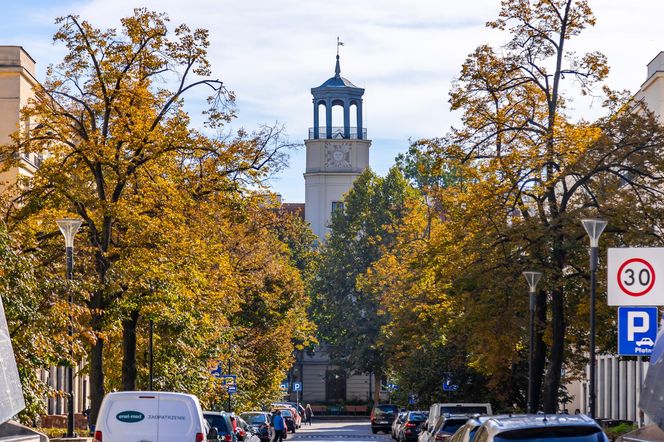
(337, 151)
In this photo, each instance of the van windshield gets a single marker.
(460, 409)
(217, 421)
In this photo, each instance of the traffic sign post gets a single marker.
(232, 389)
(636, 276)
(637, 330)
(297, 386)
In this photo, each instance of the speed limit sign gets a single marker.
(636, 276)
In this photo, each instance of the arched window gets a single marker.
(337, 119)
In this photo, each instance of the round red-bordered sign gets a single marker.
(652, 279)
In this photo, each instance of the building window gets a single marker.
(337, 205)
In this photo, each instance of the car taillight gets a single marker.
(410, 425)
(200, 437)
(228, 438)
(98, 437)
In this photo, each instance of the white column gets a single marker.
(608, 361)
(631, 391)
(615, 393)
(622, 382)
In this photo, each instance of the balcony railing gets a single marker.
(337, 133)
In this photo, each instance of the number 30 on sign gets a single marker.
(635, 276)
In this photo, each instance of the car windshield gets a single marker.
(416, 417)
(286, 413)
(383, 410)
(548, 434)
(452, 425)
(254, 418)
(218, 422)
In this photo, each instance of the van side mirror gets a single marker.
(213, 433)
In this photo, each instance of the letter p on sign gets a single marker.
(637, 322)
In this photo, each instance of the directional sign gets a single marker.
(297, 386)
(228, 379)
(637, 330)
(232, 389)
(636, 276)
(284, 386)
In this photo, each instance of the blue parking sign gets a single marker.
(637, 330)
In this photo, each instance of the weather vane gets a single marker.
(339, 43)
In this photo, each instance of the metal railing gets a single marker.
(337, 133)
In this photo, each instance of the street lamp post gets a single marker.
(594, 228)
(69, 227)
(532, 278)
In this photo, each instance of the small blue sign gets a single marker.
(637, 330)
(216, 371)
(412, 399)
(297, 386)
(228, 379)
(284, 386)
(448, 386)
(232, 389)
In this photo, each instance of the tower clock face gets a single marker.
(337, 155)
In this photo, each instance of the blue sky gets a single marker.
(404, 53)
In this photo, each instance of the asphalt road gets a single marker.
(336, 431)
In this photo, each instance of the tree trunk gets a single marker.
(377, 382)
(96, 368)
(129, 351)
(553, 374)
(540, 347)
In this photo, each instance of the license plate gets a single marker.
(382, 422)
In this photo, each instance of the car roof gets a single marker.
(498, 424)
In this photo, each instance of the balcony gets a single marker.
(337, 133)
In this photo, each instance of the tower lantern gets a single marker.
(337, 152)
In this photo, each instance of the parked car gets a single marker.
(223, 423)
(409, 431)
(467, 431)
(259, 422)
(444, 428)
(382, 417)
(396, 424)
(250, 435)
(289, 417)
(132, 416)
(298, 407)
(540, 427)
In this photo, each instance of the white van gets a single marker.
(148, 416)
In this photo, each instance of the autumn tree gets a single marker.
(528, 174)
(163, 205)
(349, 319)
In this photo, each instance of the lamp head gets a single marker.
(532, 278)
(69, 227)
(594, 227)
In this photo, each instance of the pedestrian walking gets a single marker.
(279, 427)
(308, 413)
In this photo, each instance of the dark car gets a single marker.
(382, 417)
(410, 429)
(289, 419)
(259, 423)
(222, 422)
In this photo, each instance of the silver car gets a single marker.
(467, 432)
(540, 428)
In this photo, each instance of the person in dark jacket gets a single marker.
(308, 414)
